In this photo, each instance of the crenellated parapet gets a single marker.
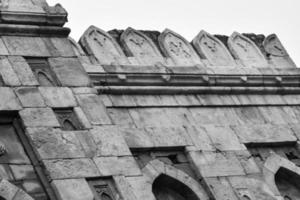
(140, 48)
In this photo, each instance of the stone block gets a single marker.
(213, 164)
(87, 142)
(265, 134)
(168, 137)
(94, 109)
(121, 117)
(69, 72)
(71, 168)
(58, 97)
(8, 100)
(59, 47)
(109, 166)
(221, 188)
(5, 172)
(109, 141)
(84, 90)
(124, 188)
(7, 190)
(26, 46)
(137, 137)
(123, 100)
(187, 100)
(75, 189)
(141, 187)
(22, 195)
(200, 138)
(23, 71)
(223, 138)
(30, 97)
(33, 186)
(273, 115)
(248, 162)
(8, 75)
(250, 115)
(82, 118)
(55, 144)
(39, 117)
(3, 49)
(23, 172)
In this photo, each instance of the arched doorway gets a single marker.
(288, 184)
(168, 188)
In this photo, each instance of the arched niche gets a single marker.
(246, 51)
(212, 49)
(99, 44)
(177, 48)
(277, 53)
(167, 188)
(159, 173)
(140, 46)
(288, 184)
(283, 176)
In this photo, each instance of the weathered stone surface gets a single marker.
(102, 47)
(69, 71)
(200, 138)
(265, 134)
(109, 166)
(71, 168)
(245, 50)
(212, 164)
(23, 71)
(137, 138)
(221, 188)
(23, 172)
(141, 187)
(277, 53)
(30, 97)
(124, 187)
(7, 190)
(178, 49)
(109, 141)
(94, 109)
(55, 144)
(8, 100)
(8, 75)
(59, 47)
(76, 189)
(82, 118)
(39, 117)
(121, 117)
(141, 47)
(212, 49)
(26, 46)
(58, 97)
(223, 138)
(3, 49)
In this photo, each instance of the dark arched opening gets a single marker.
(1, 198)
(288, 183)
(168, 188)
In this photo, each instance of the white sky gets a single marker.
(188, 17)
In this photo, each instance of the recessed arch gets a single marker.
(165, 187)
(157, 171)
(283, 176)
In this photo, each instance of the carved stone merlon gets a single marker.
(102, 47)
(245, 50)
(178, 49)
(32, 12)
(213, 50)
(140, 46)
(277, 53)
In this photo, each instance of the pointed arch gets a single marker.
(279, 172)
(212, 49)
(177, 48)
(98, 43)
(246, 50)
(156, 169)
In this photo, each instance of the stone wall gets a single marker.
(132, 115)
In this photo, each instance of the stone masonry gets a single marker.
(143, 115)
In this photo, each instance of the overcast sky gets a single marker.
(188, 17)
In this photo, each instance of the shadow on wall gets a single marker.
(288, 183)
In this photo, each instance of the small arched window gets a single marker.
(68, 125)
(168, 188)
(288, 183)
(44, 80)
